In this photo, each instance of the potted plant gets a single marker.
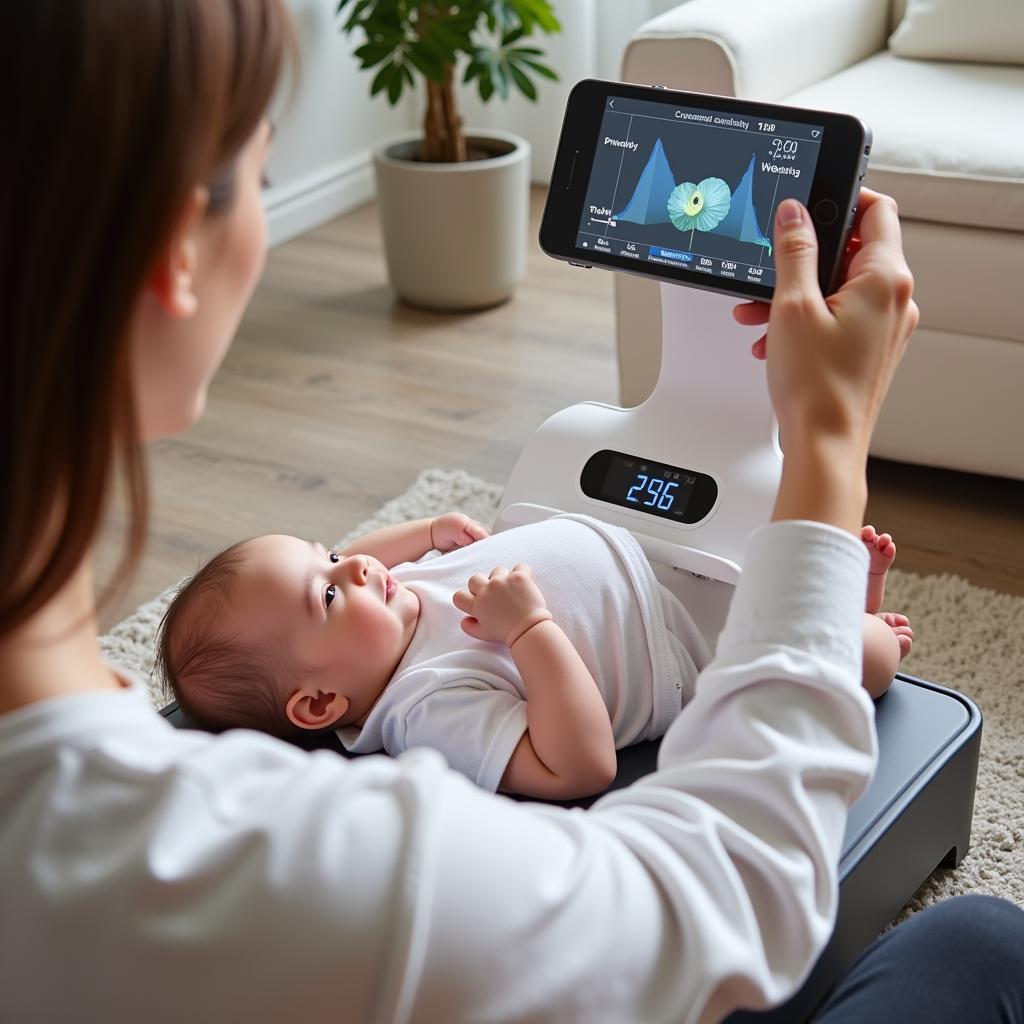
(454, 205)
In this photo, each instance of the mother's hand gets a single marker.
(831, 360)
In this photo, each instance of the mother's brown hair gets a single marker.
(116, 110)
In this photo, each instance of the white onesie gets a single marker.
(465, 697)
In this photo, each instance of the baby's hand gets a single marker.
(454, 530)
(502, 607)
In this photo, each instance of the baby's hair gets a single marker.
(219, 681)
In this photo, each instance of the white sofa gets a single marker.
(948, 145)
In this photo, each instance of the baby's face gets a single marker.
(343, 618)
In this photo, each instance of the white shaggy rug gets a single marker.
(966, 638)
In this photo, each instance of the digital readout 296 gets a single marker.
(659, 491)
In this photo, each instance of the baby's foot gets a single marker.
(882, 551)
(900, 625)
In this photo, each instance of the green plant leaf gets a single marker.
(536, 12)
(426, 38)
(541, 69)
(360, 5)
(526, 87)
(500, 74)
(499, 17)
(383, 79)
(379, 30)
(372, 53)
(452, 36)
(426, 61)
(354, 15)
(395, 84)
(465, 19)
(380, 80)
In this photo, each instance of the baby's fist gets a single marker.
(454, 530)
(501, 607)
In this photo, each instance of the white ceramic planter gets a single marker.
(455, 233)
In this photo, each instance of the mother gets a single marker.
(143, 870)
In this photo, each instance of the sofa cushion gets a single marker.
(983, 30)
(947, 144)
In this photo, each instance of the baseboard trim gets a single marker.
(300, 206)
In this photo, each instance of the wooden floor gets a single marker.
(334, 396)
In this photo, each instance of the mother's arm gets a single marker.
(708, 885)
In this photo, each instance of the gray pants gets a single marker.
(957, 961)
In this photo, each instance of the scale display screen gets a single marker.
(654, 488)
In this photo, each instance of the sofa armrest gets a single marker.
(753, 49)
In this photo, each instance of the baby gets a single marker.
(527, 679)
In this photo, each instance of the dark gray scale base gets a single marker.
(914, 817)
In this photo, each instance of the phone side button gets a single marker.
(825, 212)
(576, 263)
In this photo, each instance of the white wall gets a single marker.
(327, 129)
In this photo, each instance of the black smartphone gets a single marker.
(683, 187)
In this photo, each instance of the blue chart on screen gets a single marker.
(649, 203)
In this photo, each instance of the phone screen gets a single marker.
(694, 189)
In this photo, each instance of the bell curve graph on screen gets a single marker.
(652, 202)
(696, 194)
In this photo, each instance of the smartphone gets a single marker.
(683, 186)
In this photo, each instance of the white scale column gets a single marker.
(709, 412)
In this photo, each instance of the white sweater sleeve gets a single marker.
(710, 884)
(236, 878)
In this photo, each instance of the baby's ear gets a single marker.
(313, 708)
